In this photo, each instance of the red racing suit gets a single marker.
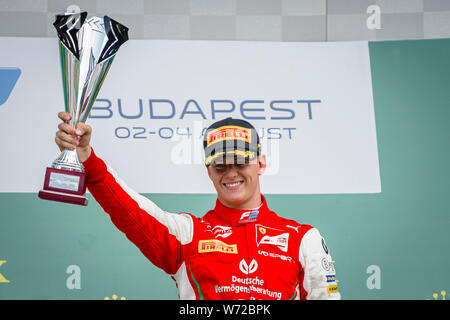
(227, 254)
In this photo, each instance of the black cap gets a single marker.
(231, 138)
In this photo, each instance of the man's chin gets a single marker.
(232, 199)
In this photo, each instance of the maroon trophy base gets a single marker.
(64, 186)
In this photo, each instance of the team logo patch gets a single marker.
(271, 236)
(229, 133)
(215, 245)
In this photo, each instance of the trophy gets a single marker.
(87, 48)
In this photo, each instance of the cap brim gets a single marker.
(232, 156)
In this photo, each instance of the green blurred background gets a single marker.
(403, 230)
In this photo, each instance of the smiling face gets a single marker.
(237, 184)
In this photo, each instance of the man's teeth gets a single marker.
(233, 184)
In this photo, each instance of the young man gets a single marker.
(240, 249)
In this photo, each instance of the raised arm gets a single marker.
(159, 235)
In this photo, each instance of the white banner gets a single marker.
(311, 103)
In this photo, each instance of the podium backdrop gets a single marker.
(391, 244)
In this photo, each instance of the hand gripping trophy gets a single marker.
(87, 49)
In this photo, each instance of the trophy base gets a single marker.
(63, 197)
(64, 186)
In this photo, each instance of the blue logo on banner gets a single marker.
(8, 79)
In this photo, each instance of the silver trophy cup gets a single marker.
(87, 49)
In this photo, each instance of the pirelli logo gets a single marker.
(229, 133)
(215, 245)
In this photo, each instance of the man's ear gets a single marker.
(262, 164)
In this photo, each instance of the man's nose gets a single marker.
(231, 171)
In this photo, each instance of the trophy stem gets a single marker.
(68, 160)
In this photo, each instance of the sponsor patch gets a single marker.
(275, 255)
(295, 228)
(324, 245)
(215, 245)
(327, 265)
(270, 236)
(222, 231)
(249, 216)
(331, 278)
(248, 268)
(229, 133)
(332, 289)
